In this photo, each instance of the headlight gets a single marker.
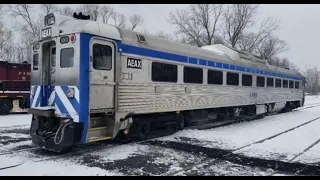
(70, 93)
(32, 91)
(50, 20)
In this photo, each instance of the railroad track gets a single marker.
(211, 161)
(98, 146)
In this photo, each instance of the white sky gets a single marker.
(300, 26)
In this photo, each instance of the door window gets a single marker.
(102, 57)
(53, 57)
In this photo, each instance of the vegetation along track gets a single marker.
(217, 155)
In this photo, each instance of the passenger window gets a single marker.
(269, 82)
(285, 83)
(102, 57)
(290, 84)
(296, 85)
(35, 62)
(246, 80)
(164, 72)
(67, 58)
(278, 83)
(192, 75)
(232, 79)
(215, 77)
(260, 81)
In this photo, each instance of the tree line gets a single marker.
(234, 25)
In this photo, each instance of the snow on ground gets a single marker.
(286, 146)
(238, 135)
(226, 168)
(312, 100)
(147, 159)
(53, 168)
(310, 157)
(131, 159)
(15, 120)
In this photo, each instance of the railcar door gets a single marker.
(101, 74)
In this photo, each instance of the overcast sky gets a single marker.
(300, 26)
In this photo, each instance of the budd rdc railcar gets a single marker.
(92, 81)
(14, 85)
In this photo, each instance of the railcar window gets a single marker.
(215, 77)
(296, 85)
(285, 83)
(232, 78)
(246, 80)
(101, 57)
(35, 62)
(290, 84)
(278, 83)
(192, 75)
(269, 82)
(53, 57)
(67, 58)
(260, 81)
(164, 72)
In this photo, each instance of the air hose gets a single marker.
(62, 127)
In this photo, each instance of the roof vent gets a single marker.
(81, 16)
(141, 38)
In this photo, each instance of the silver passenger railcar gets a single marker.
(93, 81)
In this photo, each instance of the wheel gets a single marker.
(180, 125)
(4, 107)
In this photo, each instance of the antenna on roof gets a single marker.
(81, 16)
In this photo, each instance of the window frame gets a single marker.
(283, 80)
(264, 81)
(227, 78)
(177, 72)
(215, 71)
(184, 80)
(273, 82)
(251, 80)
(112, 56)
(33, 66)
(295, 87)
(276, 83)
(290, 84)
(69, 47)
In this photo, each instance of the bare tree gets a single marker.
(237, 18)
(90, 9)
(135, 21)
(66, 11)
(23, 11)
(49, 8)
(163, 35)
(270, 47)
(198, 24)
(6, 44)
(312, 75)
(29, 27)
(106, 13)
(119, 19)
(249, 41)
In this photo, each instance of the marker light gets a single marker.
(36, 46)
(32, 91)
(70, 93)
(73, 38)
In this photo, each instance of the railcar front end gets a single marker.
(63, 62)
